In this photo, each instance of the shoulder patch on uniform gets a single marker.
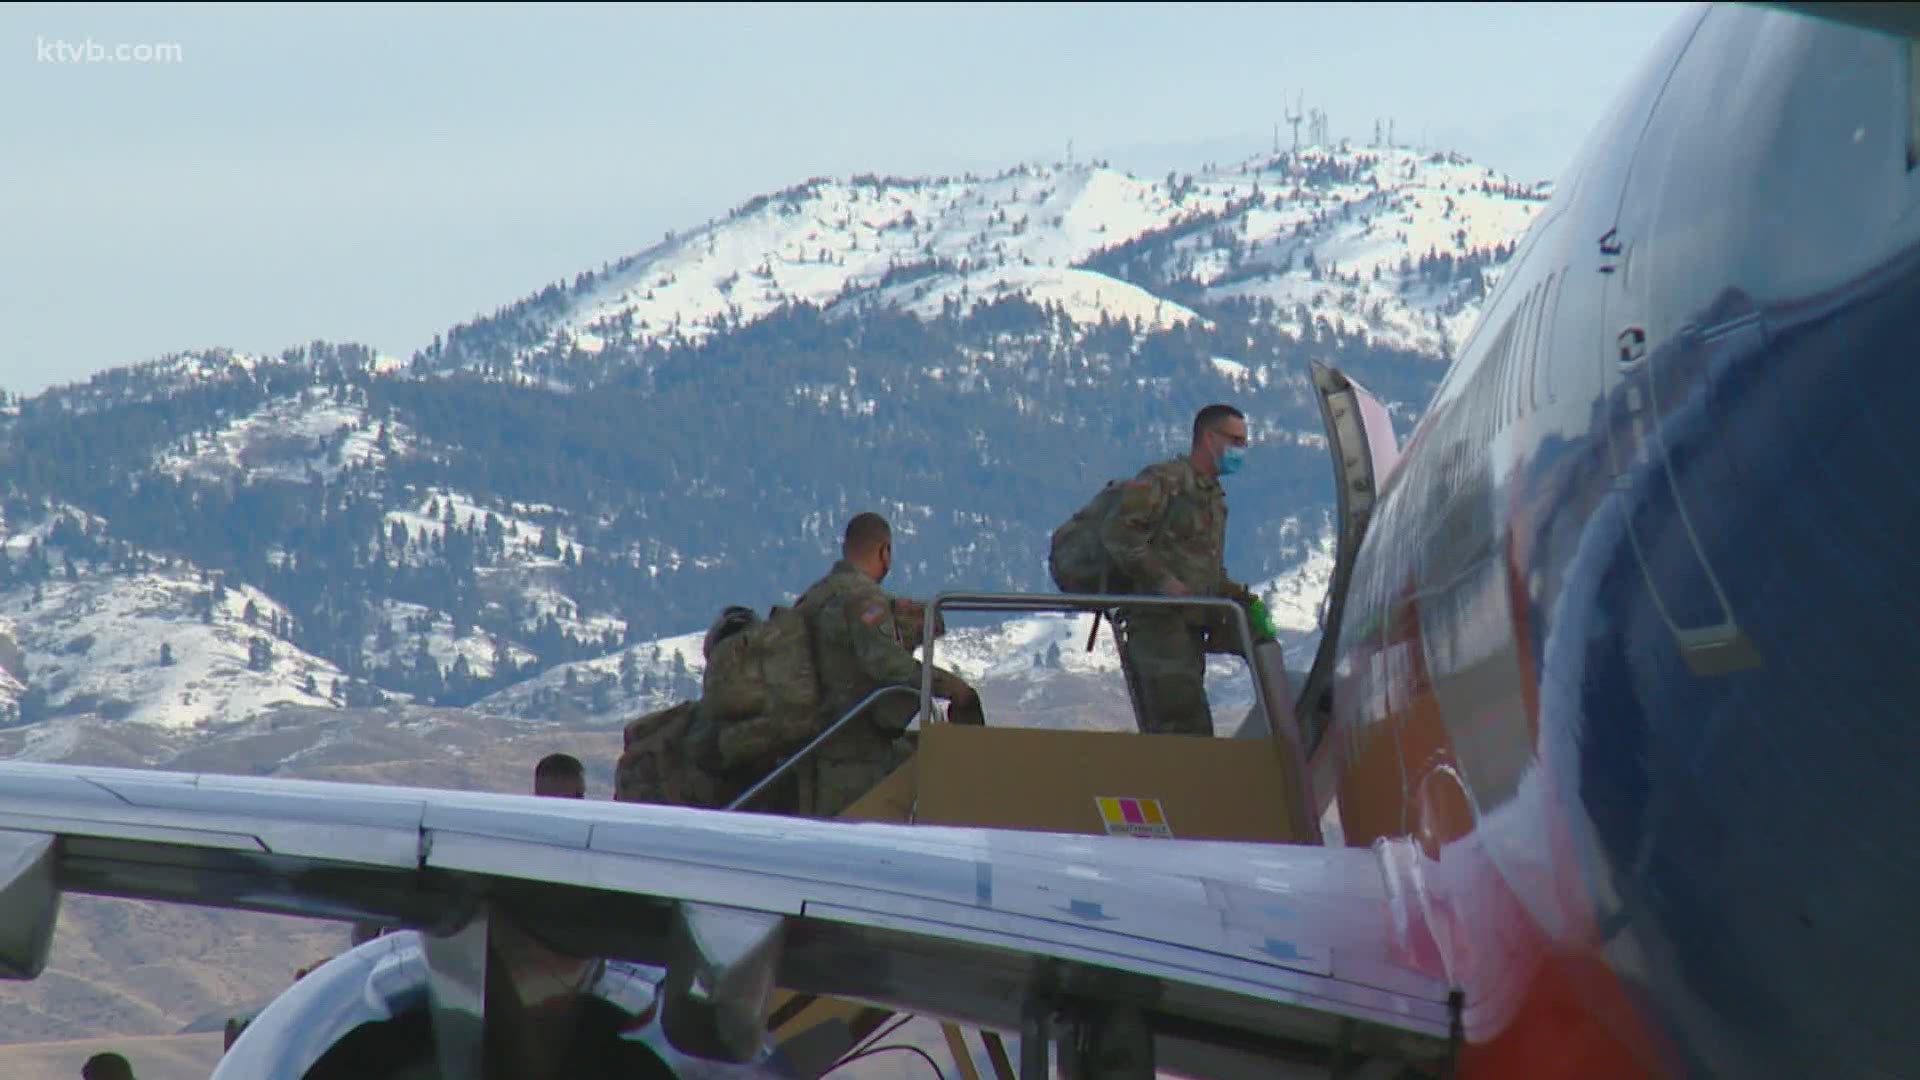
(873, 614)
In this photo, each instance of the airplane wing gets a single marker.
(1229, 958)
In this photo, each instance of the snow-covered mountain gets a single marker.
(1340, 232)
(207, 537)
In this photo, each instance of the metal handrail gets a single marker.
(814, 744)
(966, 601)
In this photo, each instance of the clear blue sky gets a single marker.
(379, 173)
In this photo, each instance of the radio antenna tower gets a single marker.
(1294, 116)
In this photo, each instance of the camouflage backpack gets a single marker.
(761, 689)
(654, 765)
(1078, 559)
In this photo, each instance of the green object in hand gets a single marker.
(1263, 629)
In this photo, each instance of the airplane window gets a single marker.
(1913, 104)
(1515, 360)
(1536, 362)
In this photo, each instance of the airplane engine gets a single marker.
(370, 1014)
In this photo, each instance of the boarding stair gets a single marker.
(1254, 787)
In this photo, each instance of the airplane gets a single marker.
(1603, 734)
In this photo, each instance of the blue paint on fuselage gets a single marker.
(1759, 824)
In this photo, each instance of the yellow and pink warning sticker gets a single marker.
(1133, 817)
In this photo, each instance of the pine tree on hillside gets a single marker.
(427, 679)
(460, 681)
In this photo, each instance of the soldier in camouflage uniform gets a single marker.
(1168, 536)
(860, 635)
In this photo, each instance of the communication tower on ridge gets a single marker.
(1294, 116)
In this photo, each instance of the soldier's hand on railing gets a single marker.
(914, 613)
(1262, 621)
(1173, 586)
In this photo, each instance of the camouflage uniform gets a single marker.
(1171, 520)
(859, 646)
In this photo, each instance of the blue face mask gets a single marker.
(1231, 459)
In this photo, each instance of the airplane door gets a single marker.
(1689, 595)
(1671, 311)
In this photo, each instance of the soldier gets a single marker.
(860, 646)
(560, 776)
(1168, 535)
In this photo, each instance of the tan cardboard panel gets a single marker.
(1169, 785)
(890, 800)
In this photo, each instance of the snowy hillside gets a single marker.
(612, 689)
(157, 379)
(827, 240)
(1340, 232)
(289, 439)
(311, 436)
(127, 647)
(1344, 246)
(175, 648)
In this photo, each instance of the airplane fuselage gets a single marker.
(1623, 685)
